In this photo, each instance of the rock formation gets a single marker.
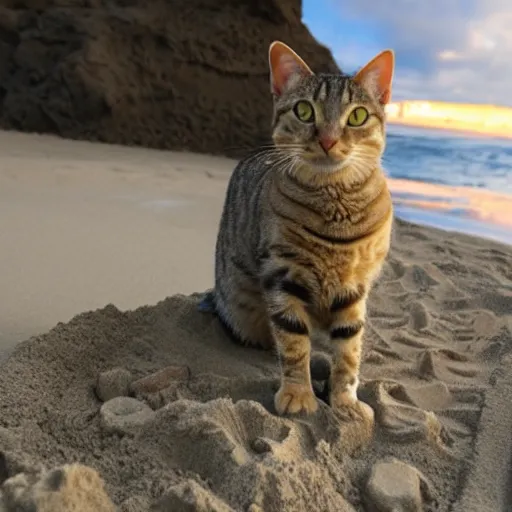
(176, 74)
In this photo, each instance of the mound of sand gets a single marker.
(186, 74)
(173, 416)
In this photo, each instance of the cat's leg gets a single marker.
(245, 318)
(346, 333)
(239, 305)
(252, 325)
(286, 298)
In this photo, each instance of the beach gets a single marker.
(84, 225)
(108, 364)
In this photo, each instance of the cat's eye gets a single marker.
(358, 117)
(304, 111)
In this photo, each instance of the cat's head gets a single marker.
(329, 122)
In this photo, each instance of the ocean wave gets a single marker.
(449, 159)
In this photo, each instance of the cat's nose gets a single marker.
(327, 143)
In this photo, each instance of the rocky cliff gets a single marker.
(177, 74)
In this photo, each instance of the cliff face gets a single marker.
(182, 74)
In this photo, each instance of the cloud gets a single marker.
(453, 50)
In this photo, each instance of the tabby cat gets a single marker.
(306, 225)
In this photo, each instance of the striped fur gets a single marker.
(304, 233)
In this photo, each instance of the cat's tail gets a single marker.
(320, 366)
(207, 304)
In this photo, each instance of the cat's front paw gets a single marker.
(295, 398)
(343, 394)
(343, 399)
(348, 407)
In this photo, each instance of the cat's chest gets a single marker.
(336, 270)
(345, 274)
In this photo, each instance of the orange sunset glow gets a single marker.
(479, 204)
(489, 120)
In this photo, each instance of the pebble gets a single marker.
(394, 486)
(125, 415)
(261, 445)
(113, 383)
(160, 379)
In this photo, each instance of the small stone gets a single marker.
(395, 486)
(113, 383)
(261, 445)
(160, 379)
(125, 415)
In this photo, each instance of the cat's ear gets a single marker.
(286, 67)
(377, 75)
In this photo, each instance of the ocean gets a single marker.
(453, 181)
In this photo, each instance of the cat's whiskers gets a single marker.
(283, 158)
(292, 164)
(271, 156)
(289, 156)
(359, 165)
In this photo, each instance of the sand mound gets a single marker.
(186, 75)
(172, 415)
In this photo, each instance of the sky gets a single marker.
(445, 50)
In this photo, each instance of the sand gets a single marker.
(83, 225)
(154, 408)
